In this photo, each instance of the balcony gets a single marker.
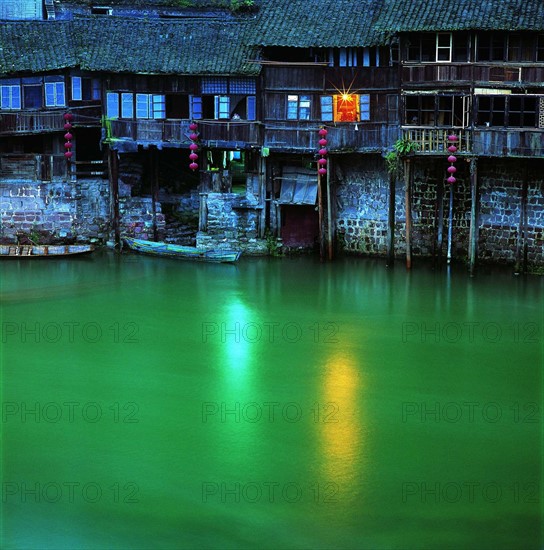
(303, 136)
(34, 122)
(212, 133)
(29, 167)
(490, 142)
(424, 74)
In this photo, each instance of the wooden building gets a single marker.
(252, 84)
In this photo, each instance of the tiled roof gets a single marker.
(36, 46)
(168, 47)
(435, 15)
(317, 23)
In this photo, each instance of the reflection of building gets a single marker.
(259, 82)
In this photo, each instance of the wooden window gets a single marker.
(85, 89)
(54, 94)
(490, 47)
(392, 109)
(33, 96)
(251, 108)
(491, 110)
(443, 46)
(214, 85)
(522, 111)
(326, 108)
(10, 96)
(112, 104)
(242, 86)
(127, 105)
(420, 110)
(346, 108)
(540, 47)
(298, 107)
(365, 106)
(222, 106)
(195, 107)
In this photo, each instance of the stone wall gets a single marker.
(362, 190)
(231, 223)
(58, 210)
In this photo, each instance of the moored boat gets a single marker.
(43, 251)
(182, 252)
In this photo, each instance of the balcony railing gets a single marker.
(32, 122)
(424, 73)
(493, 142)
(212, 132)
(303, 136)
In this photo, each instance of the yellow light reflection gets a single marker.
(341, 439)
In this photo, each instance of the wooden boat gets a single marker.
(182, 252)
(43, 251)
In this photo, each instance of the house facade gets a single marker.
(267, 125)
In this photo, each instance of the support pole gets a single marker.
(154, 172)
(408, 205)
(329, 214)
(113, 166)
(450, 223)
(320, 211)
(391, 222)
(474, 207)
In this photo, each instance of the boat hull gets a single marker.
(43, 251)
(182, 252)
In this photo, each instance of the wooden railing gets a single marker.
(33, 167)
(30, 122)
(425, 73)
(303, 136)
(213, 132)
(485, 142)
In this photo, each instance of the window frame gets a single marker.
(59, 99)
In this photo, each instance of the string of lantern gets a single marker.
(322, 161)
(452, 159)
(193, 156)
(68, 117)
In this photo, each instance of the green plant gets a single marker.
(393, 159)
(272, 244)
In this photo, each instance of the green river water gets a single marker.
(277, 404)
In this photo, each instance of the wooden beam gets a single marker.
(320, 211)
(113, 169)
(474, 208)
(439, 217)
(154, 174)
(329, 214)
(408, 208)
(450, 221)
(391, 222)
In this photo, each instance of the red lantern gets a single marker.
(322, 142)
(322, 171)
(323, 132)
(452, 170)
(452, 148)
(193, 147)
(323, 152)
(451, 179)
(68, 116)
(453, 138)
(193, 137)
(67, 126)
(68, 136)
(193, 166)
(193, 126)
(68, 145)
(451, 158)
(322, 161)
(193, 156)
(68, 154)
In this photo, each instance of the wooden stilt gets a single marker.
(439, 221)
(408, 205)
(320, 211)
(329, 214)
(450, 222)
(113, 168)
(154, 175)
(391, 222)
(474, 207)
